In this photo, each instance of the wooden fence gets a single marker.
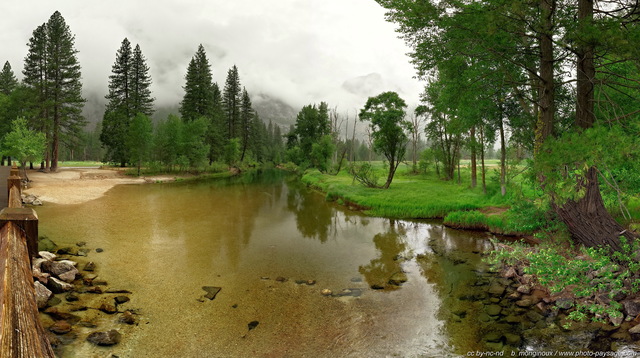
(21, 332)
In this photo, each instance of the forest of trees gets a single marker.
(561, 76)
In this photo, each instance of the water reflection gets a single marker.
(169, 240)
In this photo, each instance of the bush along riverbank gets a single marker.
(75, 302)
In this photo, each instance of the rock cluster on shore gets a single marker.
(74, 301)
(520, 312)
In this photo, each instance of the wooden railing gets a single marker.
(21, 332)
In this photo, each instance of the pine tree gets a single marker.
(8, 80)
(246, 123)
(52, 71)
(129, 95)
(118, 113)
(141, 100)
(35, 78)
(215, 137)
(197, 101)
(231, 98)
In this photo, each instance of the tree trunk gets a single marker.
(586, 72)
(484, 176)
(587, 219)
(503, 160)
(474, 165)
(544, 125)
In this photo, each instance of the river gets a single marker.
(261, 238)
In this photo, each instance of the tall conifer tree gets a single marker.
(197, 101)
(129, 95)
(52, 70)
(232, 99)
(246, 122)
(8, 80)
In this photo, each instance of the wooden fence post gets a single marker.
(27, 220)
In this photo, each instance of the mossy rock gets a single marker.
(45, 244)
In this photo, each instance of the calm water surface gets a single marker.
(164, 242)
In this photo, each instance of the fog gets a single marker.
(289, 52)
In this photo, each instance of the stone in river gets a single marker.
(60, 327)
(493, 310)
(121, 299)
(108, 309)
(326, 292)
(253, 324)
(42, 294)
(398, 278)
(108, 338)
(89, 266)
(58, 286)
(128, 318)
(212, 291)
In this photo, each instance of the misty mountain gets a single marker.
(269, 108)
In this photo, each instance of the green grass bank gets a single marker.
(425, 196)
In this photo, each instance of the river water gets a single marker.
(247, 235)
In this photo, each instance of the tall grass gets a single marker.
(409, 196)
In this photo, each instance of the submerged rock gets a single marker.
(60, 327)
(108, 338)
(398, 278)
(45, 244)
(107, 308)
(121, 299)
(128, 317)
(253, 325)
(212, 291)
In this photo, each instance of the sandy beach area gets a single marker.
(78, 185)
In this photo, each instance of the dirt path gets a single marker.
(78, 185)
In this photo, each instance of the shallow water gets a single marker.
(164, 242)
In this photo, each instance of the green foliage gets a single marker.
(128, 96)
(411, 196)
(388, 128)
(197, 100)
(52, 71)
(588, 273)
(427, 159)
(364, 174)
(22, 143)
(232, 152)
(321, 153)
(139, 139)
(8, 80)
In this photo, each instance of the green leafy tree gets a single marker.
(388, 128)
(198, 97)
(23, 144)
(321, 153)
(139, 139)
(167, 140)
(192, 145)
(8, 80)
(311, 124)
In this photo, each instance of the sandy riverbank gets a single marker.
(79, 185)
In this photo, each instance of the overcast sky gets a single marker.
(298, 51)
